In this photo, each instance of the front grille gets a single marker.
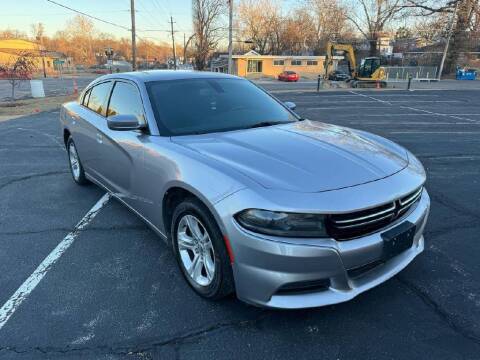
(361, 223)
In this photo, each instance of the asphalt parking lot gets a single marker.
(116, 292)
(51, 86)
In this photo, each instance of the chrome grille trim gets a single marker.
(389, 210)
(366, 222)
(360, 223)
(411, 198)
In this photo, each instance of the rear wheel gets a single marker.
(200, 250)
(76, 168)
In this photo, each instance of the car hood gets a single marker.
(304, 156)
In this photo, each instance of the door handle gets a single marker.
(99, 138)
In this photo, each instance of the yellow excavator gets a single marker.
(368, 74)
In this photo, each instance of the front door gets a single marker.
(122, 151)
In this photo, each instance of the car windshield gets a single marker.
(197, 106)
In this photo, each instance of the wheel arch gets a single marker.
(174, 194)
(66, 135)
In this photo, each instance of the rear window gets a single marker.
(99, 97)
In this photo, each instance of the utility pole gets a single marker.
(230, 36)
(134, 45)
(173, 45)
(445, 50)
(184, 50)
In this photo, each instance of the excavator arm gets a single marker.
(345, 50)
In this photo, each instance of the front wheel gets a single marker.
(200, 250)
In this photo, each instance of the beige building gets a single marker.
(254, 65)
(54, 61)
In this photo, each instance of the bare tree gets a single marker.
(373, 17)
(329, 18)
(80, 32)
(37, 31)
(298, 33)
(19, 69)
(260, 21)
(207, 17)
(466, 14)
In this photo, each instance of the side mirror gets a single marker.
(124, 123)
(290, 105)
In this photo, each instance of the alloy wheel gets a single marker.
(196, 250)
(74, 161)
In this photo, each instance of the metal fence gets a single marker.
(402, 73)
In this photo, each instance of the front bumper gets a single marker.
(264, 265)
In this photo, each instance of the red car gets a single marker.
(288, 76)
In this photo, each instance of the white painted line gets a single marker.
(397, 123)
(438, 114)
(343, 107)
(371, 98)
(435, 132)
(12, 304)
(420, 110)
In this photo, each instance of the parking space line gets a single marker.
(439, 114)
(392, 103)
(12, 304)
(435, 132)
(371, 98)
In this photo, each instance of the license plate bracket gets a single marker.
(398, 239)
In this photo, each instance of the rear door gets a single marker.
(91, 116)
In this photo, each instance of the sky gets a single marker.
(150, 15)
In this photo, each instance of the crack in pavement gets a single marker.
(143, 348)
(99, 228)
(441, 313)
(31, 176)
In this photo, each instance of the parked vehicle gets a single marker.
(338, 75)
(286, 212)
(288, 76)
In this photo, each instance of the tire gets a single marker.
(209, 286)
(76, 167)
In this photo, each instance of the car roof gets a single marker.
(159, 75)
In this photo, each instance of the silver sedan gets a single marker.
(253, 199)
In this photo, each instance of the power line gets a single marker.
(88, 15)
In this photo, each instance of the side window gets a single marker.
(86, 97)
(99, 97)
(126, 100)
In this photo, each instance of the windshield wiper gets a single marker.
(267, 123)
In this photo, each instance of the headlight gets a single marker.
(282, 223)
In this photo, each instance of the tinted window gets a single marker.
(192, 106)
(126, 100)
(99, 97)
